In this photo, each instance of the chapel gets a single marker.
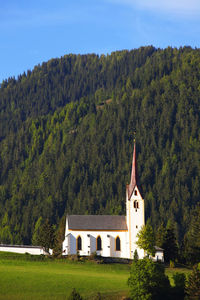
(108, 235)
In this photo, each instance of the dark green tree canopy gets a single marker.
(170, 245)
(192, 239)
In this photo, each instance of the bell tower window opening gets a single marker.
(136, 204)
(135, 193)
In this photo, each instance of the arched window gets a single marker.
(99, 243)
(79, 243)
(118, 244)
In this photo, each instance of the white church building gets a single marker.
(107, 235)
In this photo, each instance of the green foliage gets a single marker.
(59, 237)
(171, 264)
(178, 291)
(146, 240)
(5, 232)
(179, 280)
(36, 232)
(193, 284)
(192, 238)
(148, 281)
(44, 235)
(135, 255)
(160, 235)
(170, 245)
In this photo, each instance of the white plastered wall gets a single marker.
(89, 241)
(159, 256)
(23, 250)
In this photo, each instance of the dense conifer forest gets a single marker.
(66, 141)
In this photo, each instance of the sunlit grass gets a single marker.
(34, 277)
(21, 279)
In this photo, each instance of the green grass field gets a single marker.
(26, 277)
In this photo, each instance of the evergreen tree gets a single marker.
(59, 237)
(46, 235)
(160, 235)
(193, 284)
(135, 255)
(170, 245)
(36, 232)
(192, 239)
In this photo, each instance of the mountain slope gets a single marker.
(64, 149)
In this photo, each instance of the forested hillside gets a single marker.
(66, 138)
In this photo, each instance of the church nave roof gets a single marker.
(97, 222)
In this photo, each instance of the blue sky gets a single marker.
(36, 31)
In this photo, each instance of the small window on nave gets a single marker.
(99, 246)
(118, 244)
(79, 243)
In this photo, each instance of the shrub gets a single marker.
(75, 295)
(93, 256)
(179, 289)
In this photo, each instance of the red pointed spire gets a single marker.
(133, 175)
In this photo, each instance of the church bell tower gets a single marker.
(134, 209)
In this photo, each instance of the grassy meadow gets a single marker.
(21, 278)
(28, 277)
